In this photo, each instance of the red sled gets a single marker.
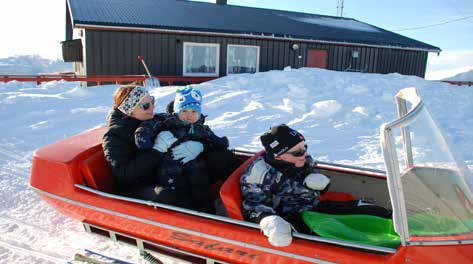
(73, 176)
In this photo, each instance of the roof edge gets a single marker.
(189, 32)
(68, 6)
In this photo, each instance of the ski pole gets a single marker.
(115, 260)
(84, 258)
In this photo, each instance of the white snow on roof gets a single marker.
(349, 24)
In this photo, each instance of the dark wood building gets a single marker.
(184, 38)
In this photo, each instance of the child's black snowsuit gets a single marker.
(190, 182)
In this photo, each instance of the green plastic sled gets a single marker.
(424, 224)
(365, 229)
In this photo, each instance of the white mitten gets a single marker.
(316, 181)
(163, 141)
(277, 230)
(187, 151)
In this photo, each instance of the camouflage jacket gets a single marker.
(272, 187)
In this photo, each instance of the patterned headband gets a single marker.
(132, 100)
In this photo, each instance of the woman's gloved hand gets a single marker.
(277, 230)
(316, 181)
(187, 151)
(163, 141)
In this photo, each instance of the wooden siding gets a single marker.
(116, 52)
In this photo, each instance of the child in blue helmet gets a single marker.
(182, 138)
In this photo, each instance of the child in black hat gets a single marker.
(278, 186)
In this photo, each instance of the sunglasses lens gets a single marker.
(300, 152)
(146, 106)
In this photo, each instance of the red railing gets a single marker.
(102, 79)
(170, 80)
(459, 82)
(121, 79)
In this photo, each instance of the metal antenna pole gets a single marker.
(340, 8)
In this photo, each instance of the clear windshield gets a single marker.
(436, 184)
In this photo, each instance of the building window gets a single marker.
(201, 59)
(242, 59)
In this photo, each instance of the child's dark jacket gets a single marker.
(148, 130)
(190, 181)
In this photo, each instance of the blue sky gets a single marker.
(31, 30)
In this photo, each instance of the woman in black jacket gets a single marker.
(133, 169)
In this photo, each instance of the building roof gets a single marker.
(236, 20)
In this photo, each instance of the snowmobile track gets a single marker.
(25, 251)
(22, 223)
(12, 154)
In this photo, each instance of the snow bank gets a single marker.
(339, 113)
(462, 77)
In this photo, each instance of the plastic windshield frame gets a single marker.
(391, 159)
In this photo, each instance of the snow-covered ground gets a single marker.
(32, 65)
(338, 112)
(463, 77)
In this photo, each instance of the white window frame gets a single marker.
(217, 62)
(247, 46)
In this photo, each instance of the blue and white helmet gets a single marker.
(188, 97)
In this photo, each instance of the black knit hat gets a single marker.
(280, 139)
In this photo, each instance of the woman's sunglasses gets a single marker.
(147, 105)
(299, 152)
